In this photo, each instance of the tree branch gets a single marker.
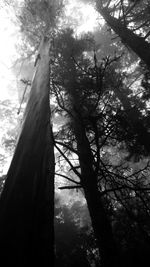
(68, 161)
(69, 187)
(66, 146)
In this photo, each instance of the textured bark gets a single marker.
(129, 38)
(27, 201)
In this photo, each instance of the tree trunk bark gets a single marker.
(27, 201)
(129, 38)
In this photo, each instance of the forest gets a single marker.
(77, 190)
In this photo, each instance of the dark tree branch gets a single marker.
(69, 187)
(66, 146)
(147, 35)
(68, 161)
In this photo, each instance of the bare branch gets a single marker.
(68, 161)
(66, 146)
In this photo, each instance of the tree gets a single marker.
(120, 15)
(86, 92)
(27, 200)
(69, 52)
(27, 197)
(130, 114)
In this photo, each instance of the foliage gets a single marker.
(75, 243)
(10, 124)
(132, 14)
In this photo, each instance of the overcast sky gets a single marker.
(84, 15)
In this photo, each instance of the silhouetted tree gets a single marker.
(27, 200)
(84, 93)
(129, 22)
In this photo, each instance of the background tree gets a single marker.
(130, 21)
(74, 239)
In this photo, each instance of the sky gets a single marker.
(84, 14)
(7, 54)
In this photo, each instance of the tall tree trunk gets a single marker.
(101, 225)
(27, 201)
(129, 38)
(100, 222)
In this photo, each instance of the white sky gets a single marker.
(84, 15)
(7, 54)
